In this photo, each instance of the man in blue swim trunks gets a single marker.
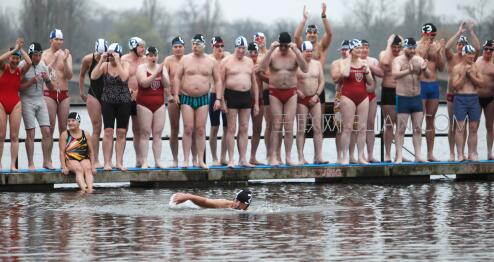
(467, 80)
(408, 70)
(192, 83)
(433, 52)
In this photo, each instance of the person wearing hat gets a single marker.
(116, 103)
(240, 81)
(219, 53)
(76, 153)
(59, 62)
(10, 104)
(191, 89)
(388, 91)
(337, 79)
(454, 58)
(320, 46)
(134, 58)
(433, 52)
(283, 59)
(486, 94)
(407, 70)
(34, 107)
(242, 200)
(153, 81)
(467, 81)
(93, 97)
(171, 64)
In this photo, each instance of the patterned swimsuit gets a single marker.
(76, 148)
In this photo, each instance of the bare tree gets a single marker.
(480, 14)
(205, 18)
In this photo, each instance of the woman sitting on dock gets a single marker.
(76, 153)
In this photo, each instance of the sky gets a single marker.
(272, 10)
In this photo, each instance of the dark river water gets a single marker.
(286, 222)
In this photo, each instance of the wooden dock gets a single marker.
(376, 173)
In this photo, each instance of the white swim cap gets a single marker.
(56, 33)
(306, 46)
(241, 42)
(101, 46)
(134, 42)
(115, 47)
(468, 49)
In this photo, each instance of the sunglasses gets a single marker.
(490, 49)
(430, 34)
(219, 46)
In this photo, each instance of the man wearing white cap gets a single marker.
(240, 78)
(59, 63)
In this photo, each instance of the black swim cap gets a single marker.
(409, 43)
(396, 40)
(244, 196)
(284, 38)
(217, 40)
(199, 38)
(34, 48)
(364, 42)
(429, 28)
(253, 47)
(345, 44)
(488, 43)
(178, 41)
(74, 115)
(152, 50)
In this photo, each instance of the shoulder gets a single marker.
(87, 58)
(373, 60)
(315, 62)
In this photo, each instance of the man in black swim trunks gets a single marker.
(242, 200)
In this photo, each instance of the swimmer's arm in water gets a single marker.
(202, 201)
(300, 27)
(300, 58)
(397, 72)
(328, 31)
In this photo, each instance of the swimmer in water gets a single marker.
(241, 202)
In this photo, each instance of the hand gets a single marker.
(104, 57)
(19, 43)
(274, 45)
(365, 64)
(461, 29)
(217, 105)
(300, 94)
(313, 100)
(224, 108)
(66, 54)
(257, 69)
(442, 43)
(423, 67)
(390, 39)
(306, 13)
(33, 80)
(116, 56)
(44, 76)
(179, 198)
(83, 96)
(293, 46)
(93, 170)
(65, 170)
(470, 25)
(176, 99)
(133, 95)
(323, 8)
(256, 109)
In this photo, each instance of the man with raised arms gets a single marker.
(407, 70)
(453, 59)
(134, 58)
(320, 46)
(59, 62)
(388, 92)
(171, 63)
(431, 51)
(218, 54)
(467, 80)
(310, 85)
(239, 78)
(283, 60)
(192, 83)
(486, 94)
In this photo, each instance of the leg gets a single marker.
(301, 119)
(473, 126)
(267, 131)
(213, 143)
(51, 105)
(256, 135)
(88, 174)
(370, 136)
(353, 143)
(76, 167)
(224, 146)
(145, 118)
(174, 116)
(46, 140)
(276, 108)
(489, 125)
(3, 131)
(460, 131)
(62, 114)
(289, 111)
(159, 118)
(317, 131)
(30, 148)
(120, 148)
(15, 124)
(401, 125)
(362, 113)
(389, 123)
(451, 132)
(417, 135)
(136, 139)
(201, 117)
(107, 148)
(94, 111)
(242, 137)
(229, 136)
(430, 106)
(188, 122)
(348, 109)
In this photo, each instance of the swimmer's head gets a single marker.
(56, 38)
(355, 47)
(114, 48)
(137, 45)
(218, 45)
(101, 46)
(178, 46)
(396, 45)
(73, 120)
(240, 46)
(311, 33)
(284, 39)
(488, 49)
(469, 53)
(306, 49)
(35, 52)
(462, 41)
(152, 54)
(253, 50)
(243, 199)
(260, 39)
(409, 45)
(198, 44)
(15, 58)
(365, 48)
(429, 31)
(344, 48)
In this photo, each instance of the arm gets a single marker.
(219, 77)
(82, 76)
(62, 144)
(256, 91)
(300, 27)
(475, 77)
(201, 201)
(178, 79)
(266, 60)
(344, 67)
(397, 72)
(99, 69)
(369, 78)
(28, 63)
(452, 41)
(142, 78)
(322, 81)
(165, 78)
(440, 59)
(335, 72)
(122, 68)
(91, 151)
(328, 31)
(376, 69)
(475, 38)
(28, 83)
(300, 58)
(458, 78)
(67, 65)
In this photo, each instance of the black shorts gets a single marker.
(238, 99)
(265, 97)
(322, 97)
(485, 101)
(119, 111)
(388, 96)
(133, 109)
(214, 116)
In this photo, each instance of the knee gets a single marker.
(88, 170)
(188, 130)
(416, 130)
(232, 127)
(108, 132)
(121, 133)
(78, 169)
(199, 131)
(14, 138)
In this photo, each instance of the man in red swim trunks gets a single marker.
(283, 60)
(59, 62)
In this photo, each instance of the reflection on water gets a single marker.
(439, 221)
